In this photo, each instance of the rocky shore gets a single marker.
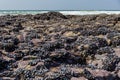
(53, 46)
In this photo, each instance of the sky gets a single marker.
(59, 4)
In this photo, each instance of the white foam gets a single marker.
(88, 12)
(63, 12)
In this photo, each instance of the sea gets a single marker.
(65, 12)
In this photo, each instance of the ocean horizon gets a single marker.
(65, 12)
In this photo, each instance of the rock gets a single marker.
(36, 41)
(115, 38)
(17, 27)
(70, 39)
(110, 62)
(102, 31)
(76, 72)
(102, 74)
(87, 74)
(50, 15)
(102, 42)
(104, 50)
(16, 41)
(69, 34)
(79, 78)
(118, 73)
(9, 47)
(117, 51)
(3, 64)
(56, 14)
(53, 46)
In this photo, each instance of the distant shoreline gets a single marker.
(65, 12)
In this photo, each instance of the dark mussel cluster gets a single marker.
(52, 46)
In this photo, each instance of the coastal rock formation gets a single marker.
(50, 15)
(53, 46)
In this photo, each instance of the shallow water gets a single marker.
(23, 12)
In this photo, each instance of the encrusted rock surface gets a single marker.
(53, 46)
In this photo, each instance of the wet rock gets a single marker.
(16, 41)
(110, 62)
(6, 74)
(76, 72)
(115, 38)
(79, 78)
(70, 39)
(117, 51)
(36, 41)
(90, 49)
(18, 56)
(87, 74)
(9, 47)
(60, 55)
(53, 46)
(102, 31)
(50, 15)
(102, 42)
(104, 50)
(3, 64)
(29, 57)
(69, 34)
(17, 27)
(102, 74)
(33, 62)
(118, 73)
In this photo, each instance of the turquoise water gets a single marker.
(24, 12)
